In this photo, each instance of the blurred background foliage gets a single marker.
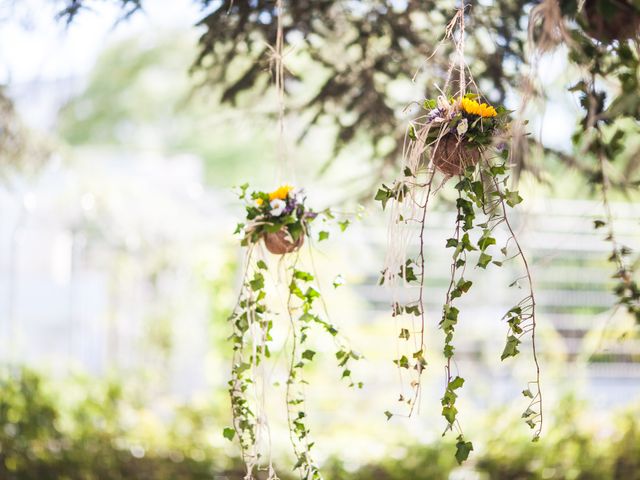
(115, 238)
(47, 431)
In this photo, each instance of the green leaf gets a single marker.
(452, 242)
(486, 240)
(448, 351)
(304, 276)
(415, 309)
(462, 450)
(311, 293)
(308, 354)
(456, 383)
(388, 414)
(511, 348)
(464, 285)
(402, 362)
(257, 283)
(449, 318)
(527, 393)
(261, 265)
(323, 235)
(344, 224)
(598, 224)
(513, 198)
(430, 104)
(228, 433)
(404, 334)
(484, 260)
(383, 195)
(450, 412)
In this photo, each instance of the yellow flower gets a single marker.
(259, 202)
(281, 193)
(474, 108)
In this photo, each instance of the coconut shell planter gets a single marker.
(279, 219)
(452, 155)
(282, 242)
(459, 130)
(609, 20)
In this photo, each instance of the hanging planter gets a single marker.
(459, 130)
(452, 155)
(279, 218)
(609, 20)
(282, 242)
(456, 136)
(280, 221)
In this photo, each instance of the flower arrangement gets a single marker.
(280, 218)
(458, 136)
(460, 129)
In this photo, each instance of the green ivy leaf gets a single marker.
(261, 265)
(456, 383)
(511, 348)
(450, 412)
(404, 334)
(228, 433)
(415, 309)
(388, 414)
(464, 285)
(402, 362)
(308, 354)
(383, 195)
(513, 198)
(462, 450)
(484, 260)
(304, 276)
(323, 235)
(257, 283)
(486, 240)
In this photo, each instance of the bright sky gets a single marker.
(35, 46)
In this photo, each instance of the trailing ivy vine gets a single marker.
(282, 214)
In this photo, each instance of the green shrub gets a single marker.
(87, 433)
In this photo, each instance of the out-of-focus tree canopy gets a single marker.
(20, 149)
(363, 48)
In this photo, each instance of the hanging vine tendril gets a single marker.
(456, 137)
(281, 221)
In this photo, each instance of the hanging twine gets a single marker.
(277, 66)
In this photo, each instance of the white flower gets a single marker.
(298, 195)
(277, 207)
(462, 127)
